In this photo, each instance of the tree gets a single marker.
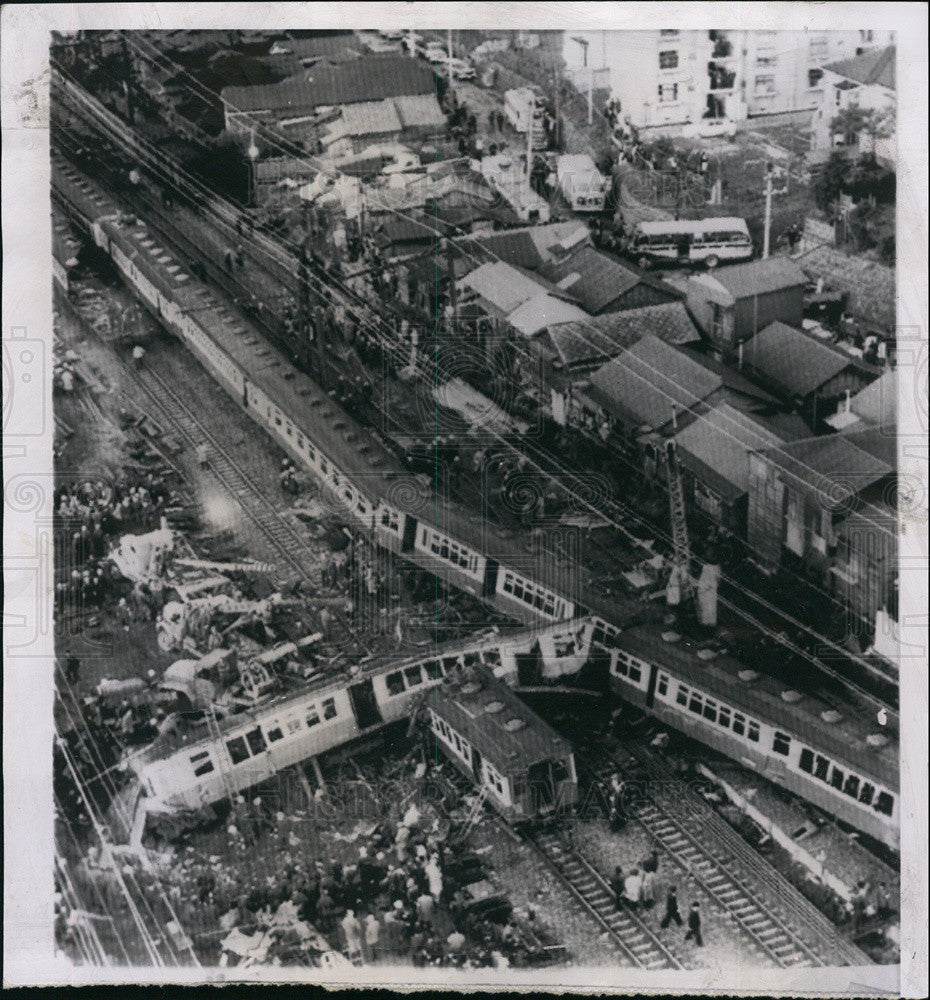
(852, 122)
(828, 179)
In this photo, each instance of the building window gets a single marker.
(256, 741)
(814, 76)
(781, 744)
(668, 93)
(765, 84)
(329, 708)
(668, 59)
(202, 763)
(238, 751)
(884, 803)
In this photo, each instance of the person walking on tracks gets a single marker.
(671, 908)
(616, 885)
(694, 925)
(138, 356)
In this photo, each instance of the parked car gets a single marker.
(435, 52)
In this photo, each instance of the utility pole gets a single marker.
(450, 272)
(449, 53)
(768, 211)
(128, 83)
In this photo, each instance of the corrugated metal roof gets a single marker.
(370, 118)
(646, 380)
(876, 67)
(420, 110)
(605, 336)
(503, 286)
(361, 80)
(721, 440)
(758, 277)
(510, 752)
(539, 312)
(832, 466)
(796, 362)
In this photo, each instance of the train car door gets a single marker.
(491, 567)
(651, 689)
(410, 533)
(364, 704)
(539, 777)
(476, 766)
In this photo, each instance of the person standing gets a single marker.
(352, 930)
(632, 889)
(616, 885)
(372, 937)
(138, 356)
(694, 925)
(671, 908)
(649, 889)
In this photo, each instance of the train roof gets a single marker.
(496, 722)
(657, 228)
(321, 686)
(79, 192)
(847, 737)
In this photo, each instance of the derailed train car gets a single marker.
(515, 759)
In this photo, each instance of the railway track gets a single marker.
(261, 510)
(765, 907)
(632, 936)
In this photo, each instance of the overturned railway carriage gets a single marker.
(526, 770)
(841, 764)
(523, 578)
(201, 764)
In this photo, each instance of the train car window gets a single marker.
(256, 740)
(361, 506)
(682, 696)
(311, 452)
(313, 717)
(696, 703)
(324, 467)
(329, 708)
(866, 793)
(471, 659)
(723, 718)
(300, 440)
(433, 669)
(753, 731)
(821, 768)
(466, 751)
(549, 607)
(519, 789)
(389, 520)
(781, 744)
(275, 734)
(413, 675)
(851, 788)
(739, 723)
(293, 725)
(710, 710)
(662, 686)
(238, 751)
(837, 777)
(806, 760)
(395, 683)
(884, 803)
(202, 763)
(450, 662)
(492, 657)
(560, 771)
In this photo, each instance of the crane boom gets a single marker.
(676, 499)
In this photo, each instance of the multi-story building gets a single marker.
(865, 82)
(705, 80)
